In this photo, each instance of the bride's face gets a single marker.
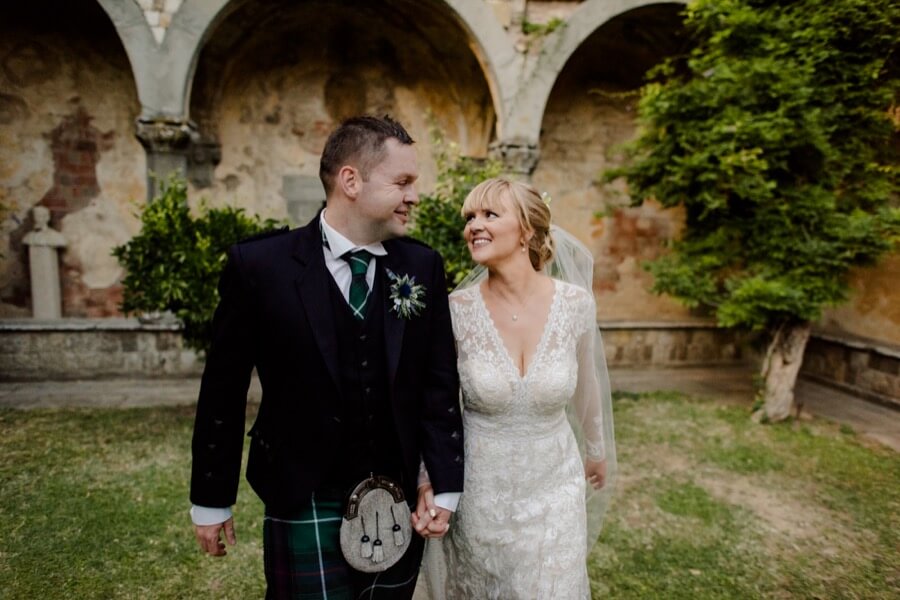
(493, 233)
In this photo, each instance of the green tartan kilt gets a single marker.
(303, 559)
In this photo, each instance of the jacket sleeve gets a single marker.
(219, 424)
(441, 423)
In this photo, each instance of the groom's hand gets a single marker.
(208, 537)
(430, 520)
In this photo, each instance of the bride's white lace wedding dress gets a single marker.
(520, 530)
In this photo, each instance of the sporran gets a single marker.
(376, 529)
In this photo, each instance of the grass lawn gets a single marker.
(94, 504)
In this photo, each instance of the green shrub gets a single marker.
(438, 222)
(174, 263)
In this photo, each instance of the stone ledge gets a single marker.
(860, 343)
(113, 324)
(672, 344)
(70, 349)
(865, 368)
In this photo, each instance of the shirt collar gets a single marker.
(340, 245)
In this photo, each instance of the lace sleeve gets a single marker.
(592, 390)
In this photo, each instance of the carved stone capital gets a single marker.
(159, 136)
(517, 158)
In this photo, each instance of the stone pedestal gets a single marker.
(43, 258)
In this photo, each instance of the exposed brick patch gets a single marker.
(629, 233)
(76, 147)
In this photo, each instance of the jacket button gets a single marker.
(455, 435)
(451, 410)
(365, 363)
(458, 459)
(211, 446)
(209, 474)
(218, 422)
(362, 337)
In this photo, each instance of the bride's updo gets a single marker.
(531, 210)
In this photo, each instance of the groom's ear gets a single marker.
(349, 180)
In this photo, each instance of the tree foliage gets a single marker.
(778, 133)
(174, 262)
(438, 222)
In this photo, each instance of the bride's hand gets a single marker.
(429, 519)
(595, 472)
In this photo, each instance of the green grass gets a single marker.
(710, 505)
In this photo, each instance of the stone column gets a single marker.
(519, 158)
(43, 259)
(167, 143)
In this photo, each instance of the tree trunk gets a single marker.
(780, 369)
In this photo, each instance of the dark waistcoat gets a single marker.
(368, 441)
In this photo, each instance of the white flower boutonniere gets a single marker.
(406, 295)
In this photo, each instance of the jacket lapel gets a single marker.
(393, 323)
(312, 286)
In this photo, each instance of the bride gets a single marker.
(528, 354)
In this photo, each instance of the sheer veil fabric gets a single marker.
(589, 410)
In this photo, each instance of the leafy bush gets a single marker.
(174, 263)
(438, 222)
(778, 136)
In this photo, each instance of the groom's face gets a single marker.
(387, 197)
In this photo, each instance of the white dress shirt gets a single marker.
(338, 245)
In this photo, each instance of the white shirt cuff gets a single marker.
(447, 500)
(205, 515)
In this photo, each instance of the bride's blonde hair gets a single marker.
(531, 210)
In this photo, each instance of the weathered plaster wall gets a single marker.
(269, 91)
(589, 115)
(67, 109)
(873, 310)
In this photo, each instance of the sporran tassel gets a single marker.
(377, 550)
(398, 531)
(365, 547)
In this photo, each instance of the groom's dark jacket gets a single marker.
(278, 312)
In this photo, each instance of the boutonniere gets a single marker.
(406, 295)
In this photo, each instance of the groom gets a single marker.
(358, 374)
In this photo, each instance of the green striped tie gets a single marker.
(359, 289)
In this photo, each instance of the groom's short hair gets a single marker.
(359, 142)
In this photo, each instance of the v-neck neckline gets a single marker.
(522, 375)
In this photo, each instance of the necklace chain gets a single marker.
(515, 315)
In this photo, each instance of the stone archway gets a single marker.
(590, 112)
(67, 110)
(272, 81)
(527, 108)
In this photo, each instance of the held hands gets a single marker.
(208, 537)
(430, 520)
(595, 472)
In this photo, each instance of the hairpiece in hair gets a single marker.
(546, 198)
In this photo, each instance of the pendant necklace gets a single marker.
(515, 315)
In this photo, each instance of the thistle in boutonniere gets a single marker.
(406, 295)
